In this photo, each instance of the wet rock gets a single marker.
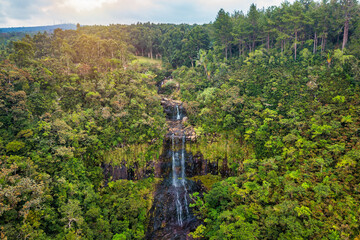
(170, 215)
(184, 120)
(113, 173)
(173, 108)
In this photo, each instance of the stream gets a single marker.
(170, 215)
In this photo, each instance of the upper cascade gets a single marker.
(173, 108)
(176, 120)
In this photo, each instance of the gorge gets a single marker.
(171, 217)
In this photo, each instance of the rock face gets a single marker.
(170, 215)
(174, 109)
(176, 116)
(115, 172)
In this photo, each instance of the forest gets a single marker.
(272, 95)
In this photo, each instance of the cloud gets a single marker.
(2, 14)
(20, 9)
(47, 12)
(86, 5)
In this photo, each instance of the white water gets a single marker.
(177, 183)
(179, 209)
(177, 113)
(174, 182)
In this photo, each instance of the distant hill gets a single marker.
(49, 29)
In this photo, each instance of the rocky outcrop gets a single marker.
(173, 108)
(170, 215)
(177, 120)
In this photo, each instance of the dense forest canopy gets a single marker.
(273, 94)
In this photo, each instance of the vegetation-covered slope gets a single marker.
(273, 95)
(63, 106)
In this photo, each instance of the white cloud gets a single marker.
(47, 12)
(86, 5)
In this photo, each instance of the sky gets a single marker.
(24, 13)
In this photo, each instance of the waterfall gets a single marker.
(178, 206)
(179, 186)
(171, 215)
(179, 209)
(174, 175)
(183, 179)
(177, 113)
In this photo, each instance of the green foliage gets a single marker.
(127, 204)
(68, 102)
(293, 141)
(14, 146)
(272, 98)
(207, 180)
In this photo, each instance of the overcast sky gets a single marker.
(18, 13)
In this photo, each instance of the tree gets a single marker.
(295, 18)
(196, 39)
(349, 8)
(253, 21)
(24, 53)
(223, 28)
(240, 31)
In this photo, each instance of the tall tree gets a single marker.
(267, 22)
(295, 18)
(23, 53)
(223, 28)
(349, 8)
(196, 39)
(240, 30)
(253, 21)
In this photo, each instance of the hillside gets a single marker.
(243, 128)
(49, 29)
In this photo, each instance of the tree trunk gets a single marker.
(346, 33)
(315, 43)
(151, 53)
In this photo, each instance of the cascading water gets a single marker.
(175, 179)
(179, 184)
(171, 217)
(178, 117)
